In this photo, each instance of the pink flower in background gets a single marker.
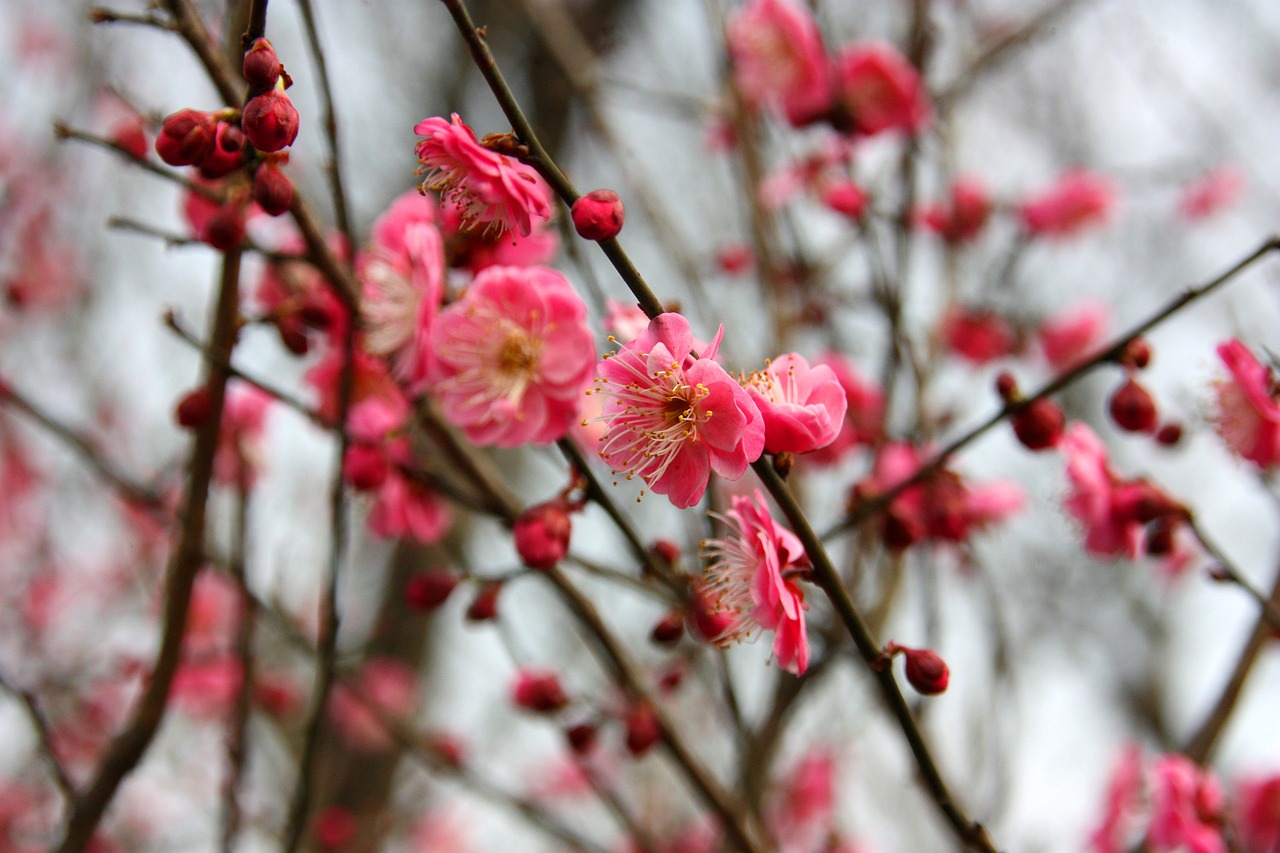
(1257, 814)
(864, 415)
(1247, 416)
(751, 576)
(244, 417)
(1075, 202)
(382, 691)
(1210, 193)
(802, 804)
(881, 90)
(1186, 809)
(490, 190)
(977, 336)
(803, 407)
(371, 384)
(513, 356)
(297, 298)
(963, 216)
(778, 57)
(404, 507)
(214, 613)
(624, 320)
(1113, 511)
(1124, 799)
(1074, 335)
(672, 418)
(206, 688)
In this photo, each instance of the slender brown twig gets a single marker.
(44, 736)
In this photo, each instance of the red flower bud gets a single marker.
(581, 737)
(538, 691)
(643, 730)
(485, 605)
(366, 467)
(129, 134)
(669, 629)
(1006, 386)
(227, 154)
(1132, 408)
(598, 215)
(542, 534)
(845, 197)
(272, 190)
(428, 590)
(446, 748)
(1169, 435)
(225, 229)
(187, 137)
(261, 65)
(1039, 425)
(194, 410)
(335, 827)
(1137, 354)
(666, 550)
(270, 121)
(735, 258)
(926, 671)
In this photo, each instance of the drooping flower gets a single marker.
(673, 418)
(1248, 417)
(881, 90)
(513, 356)
(803, 407)
(778, 58)
(1073, 203)
(492, 191)
(752, 576)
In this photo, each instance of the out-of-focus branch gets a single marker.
(238, 727)
(103, 15)
(877, 504)
(130, 744)
(63, 132)
(44, 736)
(1227, 571)
(337, 185)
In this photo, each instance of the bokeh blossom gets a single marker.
(778, 58)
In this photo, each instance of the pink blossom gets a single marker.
(813, 172)
(625, 321)
(382, 690)
(1076, 201)
(441, 832)
(213, 615)
(404, 507)
(963, 216)
(1258, 814)
(513, 357)
(296, 297)
(1074, 335)
(489, 189)
(244, 417)
(1124, 798)
(977, 336)
(402, 291)
(864, 415)
(673, 418)
(778, 57)
(206, 689)
(752, 575)
(881, 90)
(803, 802)
(1247, 416)
(1211, 192)
(476, 251)
(371, 384)
(1186, 809)
(1113, 511)
(803, 407)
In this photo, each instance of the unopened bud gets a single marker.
(261, 65)
(1039, 425)
(669, 629)
(365, 467)
(194, 410)
(270, 121)
(542, 534)
(129, 134)
(926, 671)
(485, 605)
(1137, 354)
(1133, 408)
(643, 729)
(598, 215)
(1006, 386)
(845, 197)
(428, 590)
(666, 550)
(225, 229)
(581, 737)
(538, 691)
(272, 190)
(1169, 435)
(186, 137)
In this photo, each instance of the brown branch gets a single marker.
(337, 186)
(63, 132)
(238, 729)
(1227, 571)
(130, 744)
(44, 737)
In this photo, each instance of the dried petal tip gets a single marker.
(270, 121)
(598, 215)
(262, 66)
(926, 671)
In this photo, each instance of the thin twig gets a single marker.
(337, 186)
(1228, 571)
(63, 132)
(238, 727)
(103, 15)
(44, 737)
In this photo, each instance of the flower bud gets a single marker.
(1006, 386)
(225, 229)
(270, 121)
(643, 730)
(1137, 354)
(542, 534)
(365, 467)
(428, 590)
(666, 550)
(669, 629)
(186, 137)
(538, 691)
(926, 671)
(1169, 435)
(227, 154)
(129, 134)
(1039, 425)
(447, 748)
(845, 197)
(335, 827)
(272, 190)
(261, 65)
(1132, 408)
(194, 410)
(485, 605)
(581, 737)
(598, 215)
(735, 258)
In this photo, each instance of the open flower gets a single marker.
(492, 191)
(1248, 417)
(778, 57)
(881, 90)
(672, 418)
(1076, 201)
(513, 356)
(752, 576)
(803, 407)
